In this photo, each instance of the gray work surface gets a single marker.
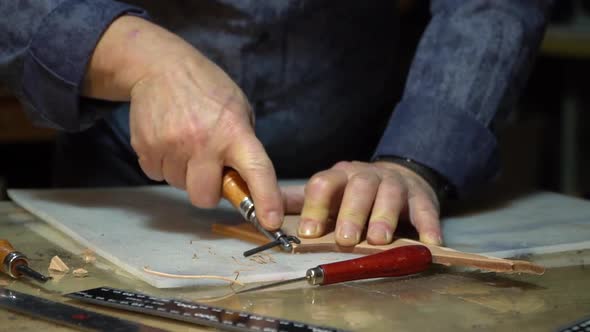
(158, 228)
(442, 299)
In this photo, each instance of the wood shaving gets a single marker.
(88, 256)
(58, 265)
(237, 261)
(190, 276)
(80, 273)
(262, 258)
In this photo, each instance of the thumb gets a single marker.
(249, 158)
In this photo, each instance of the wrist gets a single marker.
(441, 187)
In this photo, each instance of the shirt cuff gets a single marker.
(444, 138)
(56, 61)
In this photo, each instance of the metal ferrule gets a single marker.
(11, 259)
(248, 212)
(247, 208)
(315, 276)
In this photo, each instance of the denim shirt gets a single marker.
(318, 73)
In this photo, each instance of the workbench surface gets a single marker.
(441, 300)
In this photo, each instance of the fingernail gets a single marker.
(308, 228)
(273, 220)
(349, 233)
(429, 238)
(379, 235)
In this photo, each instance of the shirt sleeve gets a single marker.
(44, 59)
(471, 62)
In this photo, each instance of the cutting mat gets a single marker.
(157, 227)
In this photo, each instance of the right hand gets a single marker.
(188, 120)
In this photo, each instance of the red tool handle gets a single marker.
(396, 262)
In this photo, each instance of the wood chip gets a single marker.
(88, 256)
(56, 276)
(58, 265)
(80, 273)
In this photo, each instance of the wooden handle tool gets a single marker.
(16, 265)
(396, 262)
(236, 192)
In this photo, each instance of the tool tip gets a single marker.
(27, 271)
(286, 243)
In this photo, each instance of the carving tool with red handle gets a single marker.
(396, 262)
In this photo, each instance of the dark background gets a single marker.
(543, 144)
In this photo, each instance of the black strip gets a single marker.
(67, 315)
(201, 314)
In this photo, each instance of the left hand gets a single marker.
(365, 193)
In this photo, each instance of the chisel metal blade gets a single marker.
(271, 285)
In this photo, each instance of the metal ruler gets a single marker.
(67, 315)
(201, 314)
(579, 326)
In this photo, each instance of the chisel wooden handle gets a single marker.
(234, 188)
(5, 249)
(15, 264)
(10, 259)
(396, 262)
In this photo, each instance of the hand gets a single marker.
(360, 192)
(188, 119)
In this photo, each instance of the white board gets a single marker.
(536, 223)
(157, 227)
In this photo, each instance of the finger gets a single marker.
(293, 197)
(357, 202)
(424, 215)
(346, 166)
(152, 167)
(322, 193)
(174, 171)
(143, 143)
(391, 198)
(250, 160)
(203, 183)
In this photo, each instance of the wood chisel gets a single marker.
(16, 265)
(396, 262)
(236, 191)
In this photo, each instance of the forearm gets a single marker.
(18, 24)
(471, 62)
(476, 54)
(45, 55)
(129, 50)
